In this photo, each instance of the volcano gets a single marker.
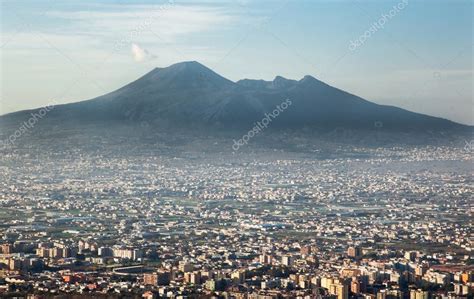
(190, 94)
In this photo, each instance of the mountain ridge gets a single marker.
(191, 93)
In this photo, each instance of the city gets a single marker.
(236, 149)
(379, 223)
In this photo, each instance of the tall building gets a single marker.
(43, 252)
(316, 282)
(131, 254)
(419, 294)
(461, 289)
(411, 255)
(354, 252)
(287, 260)
(105, 251)
(265, 259)
(389, 294)
(238, 276)
(158, 278)
(326, 282)
(150, 279)
(467, 277)
(15, 264)
(192, 277)
(185, 266)
(149, 295)
(6, 248)
(195, 278)
(305, 250)
(347, 273)
(342, 291)
(215, 284)
(355, 286)
(421, 270)
(59, 252)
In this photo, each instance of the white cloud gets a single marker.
(169, 22)
(140, 54)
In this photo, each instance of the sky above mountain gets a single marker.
(417, 56)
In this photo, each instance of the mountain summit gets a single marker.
(188, 75)
(189, 94)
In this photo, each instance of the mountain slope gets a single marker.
(188, 94)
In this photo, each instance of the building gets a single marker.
(306, 250)
(215, 284)
(161, 277)
(287, 260)
(354, 252)
(6, 248)
(60, 252)
(185, 266)
(43, 252)
(411, 255)
(265, 259)
(342, 291)
(149, 295)
(420, 270)
(105, 252)
(326, 282)
(350, 273)
(419, 294)
(461, 290)
(238, 276)
(192, 277)
(355, 286)
(389, 294)
(467, 277)
(125, 253)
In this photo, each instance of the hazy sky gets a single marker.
(418, 57)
